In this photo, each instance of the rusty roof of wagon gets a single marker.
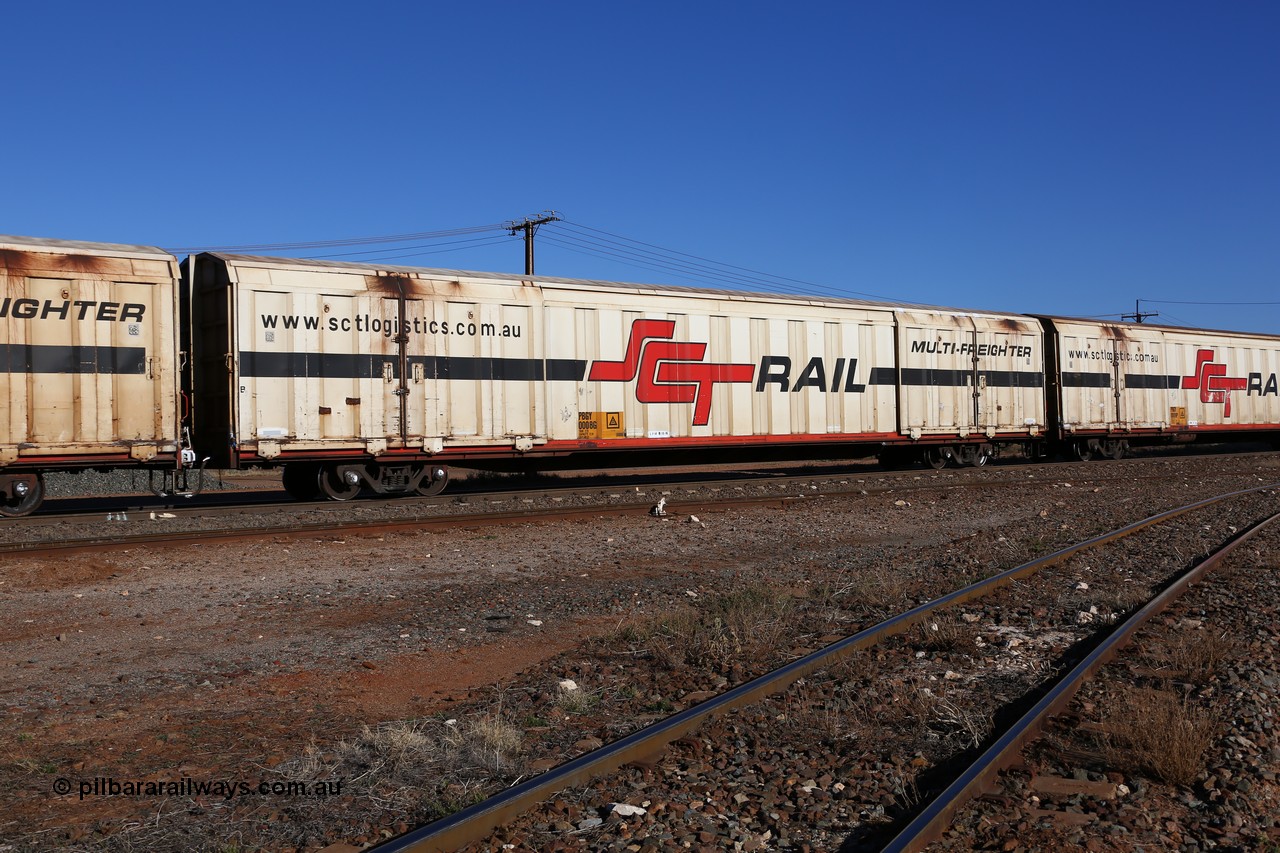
(81, 247)
(513, 278)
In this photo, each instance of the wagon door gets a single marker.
(1008, 379)
(91, 346)
(1115, 413)
(58, 371)
(1088, 374)
(391, 343)
(1143, 399)
(419, 385)
(941, 390)
(976, 382)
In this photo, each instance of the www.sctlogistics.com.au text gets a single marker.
(227, 789)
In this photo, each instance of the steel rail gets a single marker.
(832, 485)
(929, 825)
(872, 480)
(222, 503)
(933, 821)
(368, 526)
(475, 822)
(219, 503)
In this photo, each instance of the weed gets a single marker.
(1126, 597)
(749, 623)
(970, 724)
(878, 588)
(491, 741)
(401, 754)
(1159, 733)
(905, 790)
(1198, 655)
(576, 700)
(942, 633)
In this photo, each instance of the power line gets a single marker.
(1175, 302)
(718, 270)
(569, 236)
(651, 261)
(400, 250)
(624, 260)
(346, 241)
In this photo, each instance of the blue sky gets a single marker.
(1042, 157)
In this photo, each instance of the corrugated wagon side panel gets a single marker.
(1087, 377)
(563, 399)
(1009, 365)
(936, 395)
(17, 409)
(963, 374)
(1228, 381)
(772, 410)
(89, 357)
(1133, 379)
(1147, 389)
(735, 348)
(340, 405)
(266, 367)
(312, 351)
(715, 368)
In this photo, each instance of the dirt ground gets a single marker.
(220, 662)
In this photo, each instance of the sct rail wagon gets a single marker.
(353, 377)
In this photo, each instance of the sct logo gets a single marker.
(668, 371)
(1212, 381)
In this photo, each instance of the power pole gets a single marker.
(530, 226)
(1138, 314)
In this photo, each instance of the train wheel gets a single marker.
(434, 480)
(300, 480)
(1115, 449)
(337, 485)
(974, 455)
(1082, 451)
(24, 494)
(937, 457)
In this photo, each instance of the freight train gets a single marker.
(354, 377)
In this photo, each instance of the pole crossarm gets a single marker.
(529, 225)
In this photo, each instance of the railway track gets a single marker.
(475, 824)
(110, 540)
(71, 509)
(132, 525)
(396, 634)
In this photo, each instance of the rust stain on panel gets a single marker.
(17, 259)
(396, 285)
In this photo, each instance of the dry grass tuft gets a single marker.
(877, 588)
(1199, 654)
(576, 701)
(403, 754)
(942, 633)
(749, 624)
(1157, 732)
